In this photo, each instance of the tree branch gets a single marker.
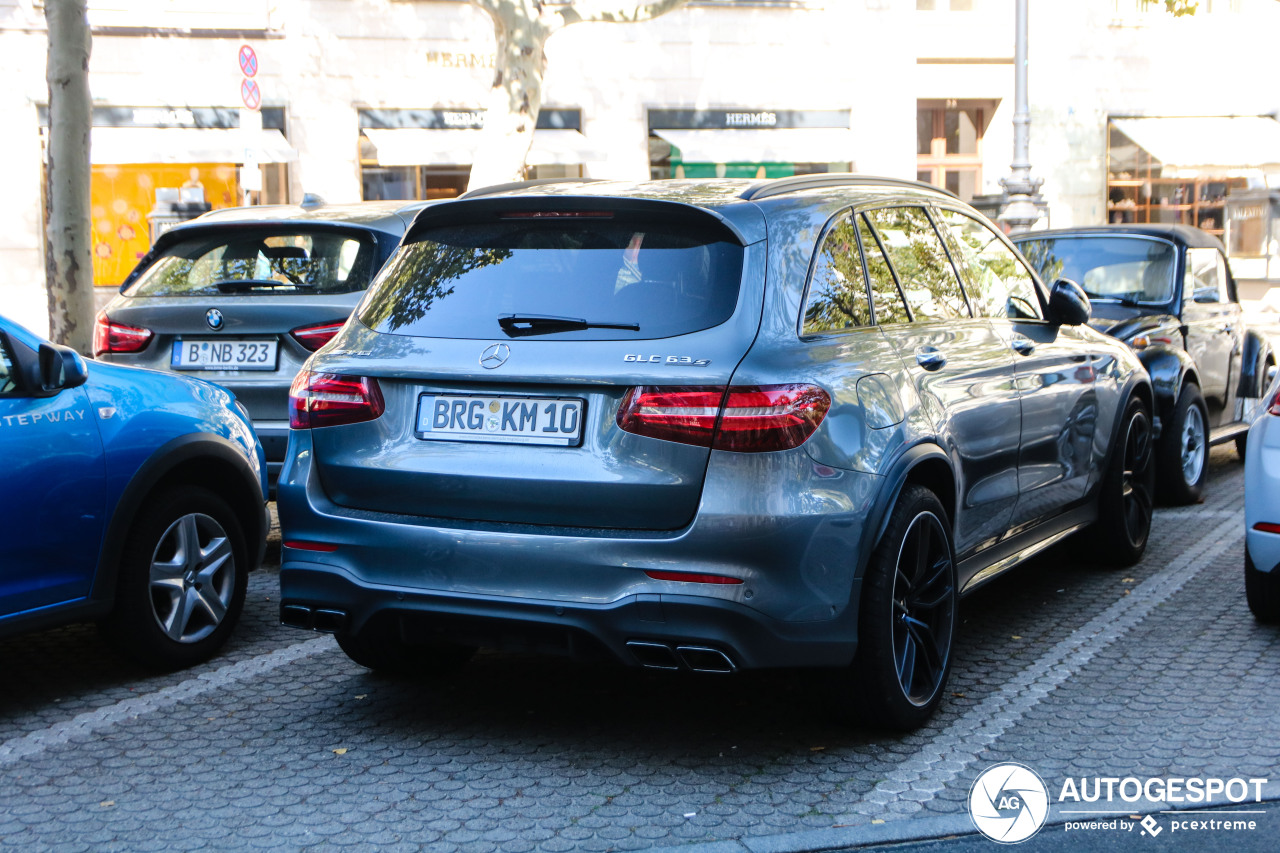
(614, 12)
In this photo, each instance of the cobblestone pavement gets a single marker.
(283, 743)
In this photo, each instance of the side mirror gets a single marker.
(1068, 303)
(60, 367)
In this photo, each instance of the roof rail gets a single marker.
(795, 183)
(499, 189)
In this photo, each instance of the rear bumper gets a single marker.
(662, 631)
(791, 537)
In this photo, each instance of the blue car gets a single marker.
(130, 497)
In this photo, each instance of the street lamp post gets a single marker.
(1022, 205)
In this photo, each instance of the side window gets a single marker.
(999, 283)
(837, 290)
(8, 371)
(885, 295)
(1206, 277)
(928, 280)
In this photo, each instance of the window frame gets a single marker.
(926, 206)
(813, 268)
(1037, 283)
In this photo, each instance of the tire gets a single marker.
(1183, 450)
(1242, 444)
(907, 617)
(380, 648)
(1125, 505)
(182, 579)
(1262, 589)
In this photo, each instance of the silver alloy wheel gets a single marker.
(1193, 445)
(193, 573)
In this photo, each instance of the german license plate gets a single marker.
(224, 355)
(509, 420)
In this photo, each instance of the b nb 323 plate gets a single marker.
(506, 420)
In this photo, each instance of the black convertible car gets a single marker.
(1167, 291)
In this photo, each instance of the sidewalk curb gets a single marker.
(900, 831)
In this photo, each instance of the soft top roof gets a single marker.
(1185, 235)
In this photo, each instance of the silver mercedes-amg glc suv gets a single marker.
(705, 425)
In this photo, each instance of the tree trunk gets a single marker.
(511, 110)
(68, 253)
(522, 28)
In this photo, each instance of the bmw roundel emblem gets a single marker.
(214, 318)
(495, 355)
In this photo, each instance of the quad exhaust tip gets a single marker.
(325, 621)
(696, 658)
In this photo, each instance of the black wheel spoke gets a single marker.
(924, 640)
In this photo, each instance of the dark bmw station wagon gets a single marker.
(242, 297)
(705, 425)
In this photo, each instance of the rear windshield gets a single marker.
(582, 280)
(1110, 269)
(256, 263)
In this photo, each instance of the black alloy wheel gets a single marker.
(908, 617)
(1127, 500)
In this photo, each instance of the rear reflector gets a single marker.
(689, 577)
(111, 337)
(1267, 527)
(329, 399)
(323, 547)
(746, 419)
(314, 337)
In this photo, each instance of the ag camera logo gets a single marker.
(1008, 803)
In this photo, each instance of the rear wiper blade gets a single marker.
(233, 284)
(522, 325)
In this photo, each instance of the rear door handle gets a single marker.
(930, 358)
(1023, 346)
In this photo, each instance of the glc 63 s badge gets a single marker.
(668, 359)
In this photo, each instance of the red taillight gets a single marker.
(117, 337)
(684, 414)
(771, 417)
(328, 399)
(746, 419)
(1274, 408)
(1267, 527)
(691, 577)
(314, 337)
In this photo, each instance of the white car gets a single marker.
(1262, 508)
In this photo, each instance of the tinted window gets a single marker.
(1206, 277)
(460, 282)
(998, 282)
(1110, 269)
(837, 290)
(256, 262)
(889, 307)
(928, 280)
(8, 373)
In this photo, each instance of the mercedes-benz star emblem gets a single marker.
(495, 355)
(214, 318)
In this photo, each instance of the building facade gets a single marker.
(261, 101)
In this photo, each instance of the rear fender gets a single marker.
(925, 463)
(1253, 365)
(1169, 368)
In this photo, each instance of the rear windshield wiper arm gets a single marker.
(522, 325)
(250, 283)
